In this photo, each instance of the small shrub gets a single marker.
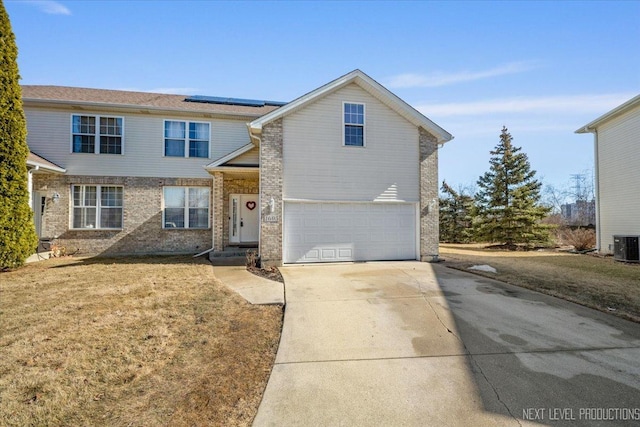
(252, 259)
(58, 251)
(580, 238)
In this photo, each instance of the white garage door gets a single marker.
(328, 232)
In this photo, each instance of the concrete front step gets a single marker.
(232, 251)
(228, 261)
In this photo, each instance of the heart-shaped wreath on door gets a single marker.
(251, 205)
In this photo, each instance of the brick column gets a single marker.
(271, 169)
(217, 223)
(429, 208)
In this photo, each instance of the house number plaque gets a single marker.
(270, 218)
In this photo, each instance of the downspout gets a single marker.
(597, 185)
(213, 231)
(259, 144)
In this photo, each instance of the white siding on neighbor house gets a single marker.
(251, 157)
(49, 135)
(317, 166)
(619, 177)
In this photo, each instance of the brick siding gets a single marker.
(429, 210)
(271, 187)
(142, 231)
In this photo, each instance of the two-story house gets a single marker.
(346, 172)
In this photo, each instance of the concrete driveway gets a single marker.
(416, 344)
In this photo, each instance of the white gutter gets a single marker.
(621, 109)
(35, 102)
(597, 185)
(48, 168)
(594, 131)
(259, 145)
(236, 169)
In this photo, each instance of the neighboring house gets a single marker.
(346, 172)
(617, 167)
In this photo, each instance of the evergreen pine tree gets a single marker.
(17, 233)
(456, 215)
(508, 198)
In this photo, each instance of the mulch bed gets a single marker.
(271, 273)
(515, 247)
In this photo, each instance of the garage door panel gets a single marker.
(312, 255)
(329, 232)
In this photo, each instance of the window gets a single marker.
(354, 125)
(186, 139)
(97, 207)
(186, 207)
(87, 129)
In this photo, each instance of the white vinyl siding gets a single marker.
(317, 165)
(619, 177)
(331, 232)
(251, 157)
(49, 135)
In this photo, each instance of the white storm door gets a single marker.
(39, 204)
(243, 218)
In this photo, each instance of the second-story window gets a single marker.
(96, 134)
(354, 134)
(186, 139)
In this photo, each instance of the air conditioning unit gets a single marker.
(626, 248)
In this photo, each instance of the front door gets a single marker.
(243, 218)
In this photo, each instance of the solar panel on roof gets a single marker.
(232, 101)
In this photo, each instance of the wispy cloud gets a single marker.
(444, 79)
(569, 104)
(51, 7)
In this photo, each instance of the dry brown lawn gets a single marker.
(130, 342)
(595, 282)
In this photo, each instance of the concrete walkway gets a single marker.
(255, 289)
(415, 344)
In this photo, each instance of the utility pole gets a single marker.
(579, 186)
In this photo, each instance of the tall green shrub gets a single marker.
(508, 198)
(456, 215)
(17, 233)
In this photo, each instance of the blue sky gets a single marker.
(543, 69)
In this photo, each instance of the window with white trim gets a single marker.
(97, 207)
(186, 139)
(353, 124)
(185, 207)
(86, 130)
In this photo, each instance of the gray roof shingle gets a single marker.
(121, 98)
